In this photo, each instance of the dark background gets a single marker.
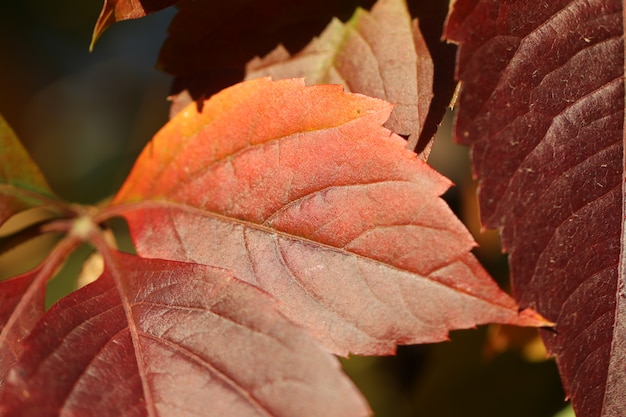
(84, 117)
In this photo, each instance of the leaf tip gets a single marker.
(529, 317)
(106, 19)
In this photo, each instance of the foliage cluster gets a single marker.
(284, 219)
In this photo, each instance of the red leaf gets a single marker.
(22, 305)
(543, 108)
(15, 325)
(432, 15)
(22, 185)
(209, 43)
(381, 54)
(301, 192)
(153, 337)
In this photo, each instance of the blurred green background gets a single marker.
(84, 117)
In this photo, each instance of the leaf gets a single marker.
(153, 337)
(119, 10)
(302, 193)
(22, 304)
(380, 54)
(22, 185)
(432, 15)
(543, 108)
(209, 43)
(15, 323)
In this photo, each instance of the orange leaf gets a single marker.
(380, 53)
(303, 193)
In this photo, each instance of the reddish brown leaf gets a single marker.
(380, 54)
(209, 43)
(301, 192)
(153, 337)
(226, 35)
(22, 305)
(118, 10)
(432, 15)
(15, 325)
(543, 108)
(21, 183)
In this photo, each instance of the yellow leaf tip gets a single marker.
(106, 19)
(529, 317)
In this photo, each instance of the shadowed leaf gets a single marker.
(210, 42)
(303, 193)
(380, 54)
(153, 337)
(543, 108)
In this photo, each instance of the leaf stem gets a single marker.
(10, 242)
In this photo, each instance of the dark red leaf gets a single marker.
(380, 54)
(22, 305)
(15, 325)
(209, 43)
(543, 108)
(301, 192)
(153, 337)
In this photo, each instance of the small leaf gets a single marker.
(380, 54)
(22, 184)
(160, 338)
(543, 108)
(118, 10)
(303, 193)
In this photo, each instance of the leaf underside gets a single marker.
(301, 192)
(171, 339)
(545, 121)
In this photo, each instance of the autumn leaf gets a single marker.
(161, 341)
(22, 306)
(119, 10)
(302, 192)
(11, 331)
(22, 185)
(380, 53)
(545, 121)
(209, 43)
